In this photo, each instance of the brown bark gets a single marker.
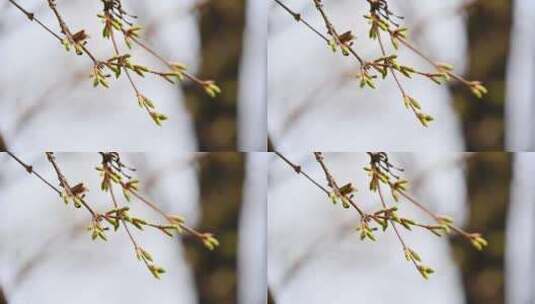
(488, 181)
(483, 122)
(3, 146)
(3, 299)
(222, 25)
(489, 174)
(220, 178)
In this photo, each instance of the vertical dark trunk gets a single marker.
(270, 147)
(221, 176)
(222, 25)
(3, 146)
(489, 32)
(2, 297)
(489, 176)
(270, 297)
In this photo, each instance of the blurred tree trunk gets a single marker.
(270, 297)
(221, 177)
(489, 33)
(3, 146)
(221, 25)
(489, 176)
(2, 297)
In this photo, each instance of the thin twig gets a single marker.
(31, 170)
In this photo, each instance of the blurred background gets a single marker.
(46, 255)
(315, 255)
(491, 41)
(219, 40)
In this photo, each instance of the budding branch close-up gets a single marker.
(382, 21)
(383, 174)
(116, 175)
(116, 21)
